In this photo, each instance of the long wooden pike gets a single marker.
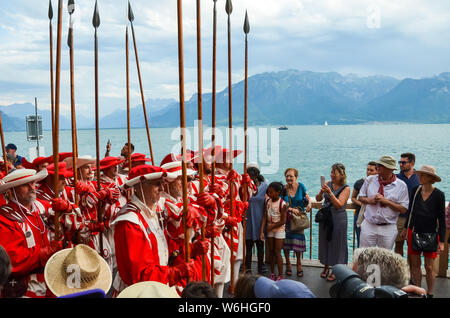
(128, 98)
(3, 145)
(96, 24)
(213, 123)
(52, 84)
(245, 192)
(131, 19)
(183, 127)
(56, 128)
(71, 9)
(200, 120)
(229, 10)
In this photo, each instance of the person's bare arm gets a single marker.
(355, 197)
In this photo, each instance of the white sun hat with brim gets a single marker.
(149, 289)
(81, 161)
(20, 177)
(142, 173)
(73, 270)
(431, 171)
(174, 170)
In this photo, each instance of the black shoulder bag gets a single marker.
(323, 214)
(422, 242)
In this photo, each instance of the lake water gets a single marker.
(310, 149)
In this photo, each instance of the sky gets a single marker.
(402, 38)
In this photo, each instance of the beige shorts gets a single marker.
(281, 235)
(400, 226)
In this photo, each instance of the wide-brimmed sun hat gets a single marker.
(20, 177)
(77, 269)
(387, 162)
(431, 171)
(81, 161)
(148, 289)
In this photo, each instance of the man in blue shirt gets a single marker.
(408, 175)
(15, 159)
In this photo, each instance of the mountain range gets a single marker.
(289, 97)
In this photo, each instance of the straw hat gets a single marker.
(62, 268)
(429, 170)
(22, 176)
(81, 161)
(148, 289)
(388, 162)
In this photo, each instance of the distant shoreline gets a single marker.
(271, 125)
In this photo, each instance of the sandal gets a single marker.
(288, 272)
(299, 272)
(325, 272)
(331, 278)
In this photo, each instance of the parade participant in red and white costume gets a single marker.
(25, 236)
(172, 200)
(143, 252)
(111, 179)
(90, 200)
(234, 221)
(42, 162)
(71, 220)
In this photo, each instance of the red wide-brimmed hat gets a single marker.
(224, 153)
(137, 157)
(144, 172)
(109, 162)
(171, 157)
(62, 170)
(207, 153)
(41, 160)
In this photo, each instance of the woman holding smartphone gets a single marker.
(333, 247)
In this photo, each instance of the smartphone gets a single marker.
(109, 142)
(322, 180)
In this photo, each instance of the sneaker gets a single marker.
(273, 276)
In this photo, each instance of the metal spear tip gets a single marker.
(130, 12)
(246, 24)
(229, 7)
(50, 10)
(71, 6)
(96, 17)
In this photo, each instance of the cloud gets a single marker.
(412, 39)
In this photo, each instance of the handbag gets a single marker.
(298, 222)
(422, 242)
(323, 214)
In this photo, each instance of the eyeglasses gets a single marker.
(403, 162)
